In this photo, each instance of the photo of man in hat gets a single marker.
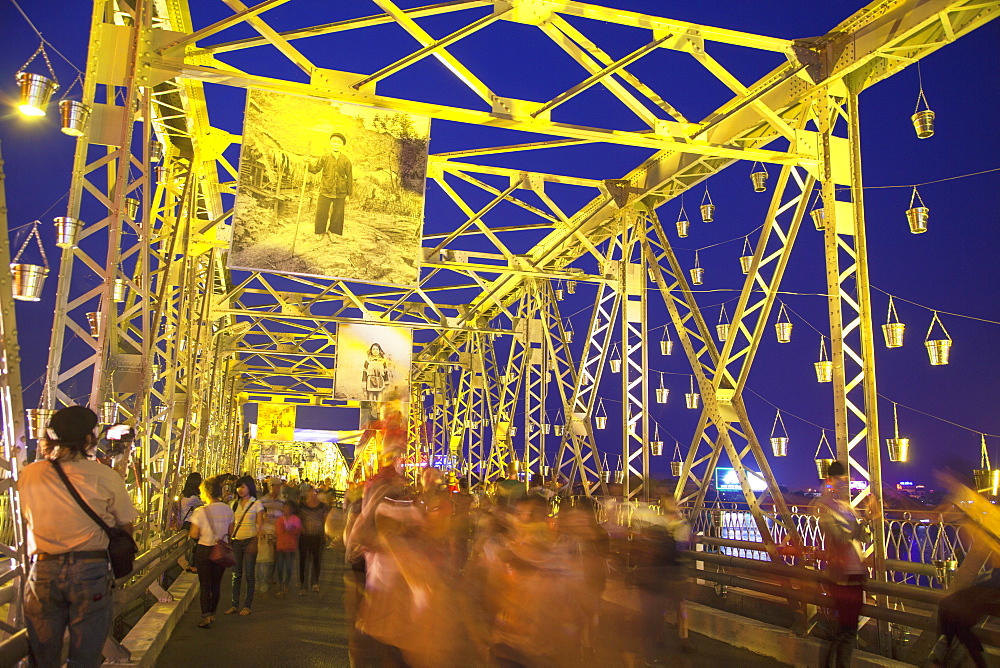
(335, 186)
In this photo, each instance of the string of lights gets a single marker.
(45, 41)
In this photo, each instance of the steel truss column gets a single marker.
(579, 455)
(851, 330)
(635, 359)
(502, 451)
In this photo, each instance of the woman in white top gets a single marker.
(209, 524)
(249, 514)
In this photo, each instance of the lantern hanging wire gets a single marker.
(38, 238)
(783, 314)
(677, 450)
(661, 381)
(747, 250)
(823, 356)
(707, 197)
(600, 412)
(723, 316)
(921, 96)
(779, 420)
(915, 197)
(892, 317)
(692, 383)
(984, 455)
(697, 261)
(895, 420)
(930, 329)
(38, 97)
(824, 441)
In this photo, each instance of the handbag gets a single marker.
(251, 547)
(121, 547)
(222, 554)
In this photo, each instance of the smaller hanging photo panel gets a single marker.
(276, 422)
(373, 362)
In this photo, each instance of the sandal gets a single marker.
(231, 611)
(206, 623)
(244, 612)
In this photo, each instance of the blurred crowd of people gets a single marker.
(438, 577)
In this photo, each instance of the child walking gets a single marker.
(287, 529)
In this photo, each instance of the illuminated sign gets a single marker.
(727, 481)
(905, 483)
(859, 484)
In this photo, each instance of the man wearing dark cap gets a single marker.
(70, 582)
(335, 186)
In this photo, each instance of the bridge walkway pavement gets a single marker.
(311, 631)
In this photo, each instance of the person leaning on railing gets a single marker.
(70, 582)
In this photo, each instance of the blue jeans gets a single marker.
(245, 568)
(283, 563)
(74, 594)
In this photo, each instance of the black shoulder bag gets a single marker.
(121, 548)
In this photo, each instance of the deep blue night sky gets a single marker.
(952, 268)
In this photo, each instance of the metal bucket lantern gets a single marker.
(923, 123)
(512, 431)
(783, 328)
(74, 115)
(779, 439)
(697, 275)
(132, 207)
(718, 517)
(823, 467)
(944, 570)
(559, 429)
(917, 214)
(676, 469)
(109, 412)
(923, 119)
(662, 394)
(707, 213)
(682, 228)
(746, 262)
(824, 371)
(692, 398)
(560, 294)
(155, 151)
(981, 479)
(28, 280)
(118, 288)
(619, 476)
(94, 322)
(600, 422)
(666, 343)
(616, 366)
(656, 448)
(571, 287)
(38, 421)
(546, 428)
(759, 178)
(36, 91)
(722, 331)
(819, 218)
(899, 449)
(606, 476)
(938, 350)
(67, 230)
(569, 335)
(893, 333)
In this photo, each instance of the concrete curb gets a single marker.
(773, 641)
(147, 638)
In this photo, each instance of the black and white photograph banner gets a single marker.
(330, 189)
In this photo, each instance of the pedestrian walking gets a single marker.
(313, 515)
(210, 524)
(249, 515)
(288, 528)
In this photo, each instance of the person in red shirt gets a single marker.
(287, 529)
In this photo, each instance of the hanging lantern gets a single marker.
(656, 448)
(38, 421)
(707, 208)
(758, 177)
(692, 398)
(571, 287)
(819, 218)
(938, 350)
(824, 367)
(74, 115)
(666, 343)
(560, 292)
(600, 415)
(722, 329)
(893, 330)
(746, 260)
(619, 476)
(616, 360)
(923, 119)
(155, 151)
(899, 448)
(662, 394)
(28, 279)
(109, 412)
(132, 207)
(94, 322)
(67, 230)
(36, 91)
(606, 475)
(118, 287)
(697, 272)
(823, 463)
(917, 215)
(569, 332)
(559, 429)
(512, 431)
(683, 225)
(677, 462)
(162, 173)
(783, 328)
(983, 476)
(779, 440)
